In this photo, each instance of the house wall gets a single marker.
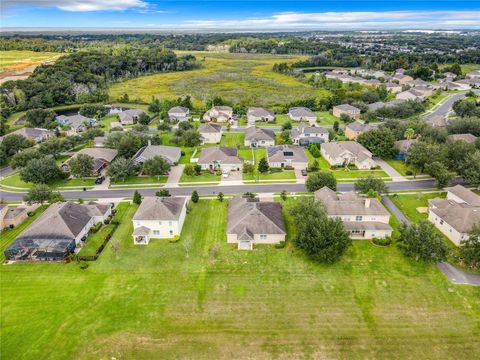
(228, 167)
(162, 226)
(294, 164)
(331, 161)
(351, 134)
(455, 236)
(379, 218)
(338, 112)
(300, 118)
(260, 118)
(324, 137)
(211, 138)
(261, 143)
(365, 165)
(17, 220)
(370, 234)
(271, 239)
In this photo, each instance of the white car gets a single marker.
(225, 174)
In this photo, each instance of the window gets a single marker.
(169, 223)
(171, 232)
(356, 231)
(358, 218)
(156, 232)
(263, 236)
(159, 223)
(441, 222)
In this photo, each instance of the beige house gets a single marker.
(438, 121)
(394, 88)
(301, 113)
(304, 135)
(365, 218)
(130, 116)
(341, 153)
(347, 109)
(219, 114)
(102, 157)
(260, 114)
(356, 128)
(159, 218)
(470, 138)
(211, 133)
(287, 156)
(402, 78)
(251, 221)
(411, 94)
(35, 134)
(171, 154)
(179, 113)
(11, 217)
(259, 137)
(220, 158)
(456, 215)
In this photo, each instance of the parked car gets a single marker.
(225, 174)
(99, 180)
(304, 172)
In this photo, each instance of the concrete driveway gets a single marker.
(394, 174)
(234, 177)
(300, 178)
(175, 174)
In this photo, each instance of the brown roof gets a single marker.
(465, 194)
(463, 137)
(227, 155)
(255, 133)
(160, 208)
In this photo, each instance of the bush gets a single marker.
(175, 239)
(313, 149)
(382, 241)
(280, 245)
(409, 172)
(31, 213)
(94, 229)
(83, 265)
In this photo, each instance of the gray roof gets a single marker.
(224, 154)
(130, 114)
(349, 203)
(305, 130)
(301, 111)
(281, 153)
(142, 230)
(336, 148)
(247, 217)
(12, 213)
(98, 153)
(160, 208)
(438, 120)
(179, 109)
(465, 194)
(30, 133)
(347, 107)
(254, 133)
(75, 120)
(210, 128)
(463, 137)
(462, 217)
(404, 145)
(358, 126)
(259, 112)
(63, 221)
(170, 153)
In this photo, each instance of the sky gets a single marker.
(247, 15)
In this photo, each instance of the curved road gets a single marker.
(446, 107)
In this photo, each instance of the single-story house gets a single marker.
(356, 128)
(403, 146)
(259, 137)
(304, 135)
(402, 78)
(130, 116)
(179, 113)
(301, 113)
(465, 84)
(57, 232)
(99, 141)
(11, 217)
(159, 218)
(411, 94)
(287, 156)
(76, 123)
(449, 75)
(220, 158)
(35, 134)
(211, 133)
(417, 82)
(393, 87)
(251, 221)
(456, 215)
(364, 218)
(260, 114)
(171, 154)
(424, 90)
(219, 114)
(380, 104)
(470, 138)
(347, 109)
(102, 157)
(438, 121)
(341, 153)
(475, 74)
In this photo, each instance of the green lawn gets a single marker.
(408, 204)
(232, 139)
(399, 165)
(94, 241)
(142, 180)
(325, 118)
(274, 175)
(182, 301)
(106, 121)
(15, 181)
(246, 154)
(205, 176)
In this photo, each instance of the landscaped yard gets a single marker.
(232, 139)
(205, 176)
(399, 165)
(408, 204)
(325, 118)
(142, 180)
(15, 181)
(201, 298)
(95, 240)
(275, 174)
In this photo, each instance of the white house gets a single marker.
(211, 133)
(340, 153)
(220, 158)
(259, 137)
(304, 135)
(159, 218)
(287, 156)
(179, 113)
(219, 114)
(301, 113)
(260, 114)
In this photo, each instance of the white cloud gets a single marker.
(80, 5)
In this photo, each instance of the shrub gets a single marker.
(313, 149)
(409, 172)
(94, 229)
(280, 245)
(83, 265)
(175, 239)
(30, 213)
(288, 167)
(382, 241)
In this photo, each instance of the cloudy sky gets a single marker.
(242, 15)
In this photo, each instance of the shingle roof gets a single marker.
(160, 208)
(171, 153)
(347, 107)
(465, 194)
(98, 153)
(299, 130)
(255, 133)
(281, 153)
(259, 112)
(336, 148)
(301, 111)
(227, 155)
(210, 128)
(463, 137)
(75, 120)
(247, 217)
(179, 109)
(462, 217)
(128, 115)
(404, 145)
(30, 133)
(358, 126)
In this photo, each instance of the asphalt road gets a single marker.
(446, 107)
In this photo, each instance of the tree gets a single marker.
(13, 143)
(156, 166)
(127, 143)
(40, 171)
(421, 241)
(55, 146)
(154, 106)
(285, 137)
(189, 170)
(321, 238)
(163, 193)
(248, 168)
(120, 169)
(38, 194)
(287, 125)
(195, 196)
(470, 250)
(457, 152)
(144, 119)
(320, 179)
(283, 195)
(336, 126)
(137, 198)
(423, 153)
(371, 183)
(220, 196)
(21, 158)
(464, 126)
(40, 117)
(191, 138)
(314, 166)
(471, 170)
(381, 142)
(409, 133)
(263, 166)
(440, 172)
(345, 118)
(81, 166)
(93, 110)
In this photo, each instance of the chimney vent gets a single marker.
(367, 203)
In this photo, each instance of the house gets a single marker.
(57, 232)
(260, 114)
(159, 218)
(449, 75)
(130, 116)
(380, 104)
(364, 218)
(400, 71)
(474, 74)
(35, 134)
(464, 84)
(301, 113)
(258, 137)
(99, 141)
(411, 94)
(403, 146)
(402, 78)
(342, 153)
(11, 217)
(393, 87)
(426, 91)
(116, 125)
(219, 114)
(304, 135)
(438, 121)
(179, 113)
(76, 123)
(347, 109)
(292, 156)
(417, 82)
(462, 137)
(456, 215)
(211, 133)
(102, 157)
(356, 128)
(171, 154)
(251, 221)
(220, 158)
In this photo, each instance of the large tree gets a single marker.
(21, 158)
(471, 170)
(127, 143)
(381, 142)
(81, 166)
(470, 250)
(422, 153)
(371, 183)
(55, 146)
(323, 239)
(40, 117)
(263, 166)
(318, 180)
(156, 166)
(440, 172)
(120, 169)
(12, 144)
(40, 194)
(40, 171)
(421, 241)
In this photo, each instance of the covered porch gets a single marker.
(141, 235)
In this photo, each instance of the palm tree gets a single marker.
(409, 133)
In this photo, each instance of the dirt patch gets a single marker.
(422, 210)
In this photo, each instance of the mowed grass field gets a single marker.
(235, 77)
(19, 59)
(201, 298)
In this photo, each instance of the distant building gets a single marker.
(357, 128)
(301, 113)
(403, 146)
(347, 109)
(171, 154)
(411, 94)
(287, 156)
(219, 114)
(76, 123)
(179, 113)
(304, 135)
(438, 121)
(259, 137)
(463, 137)
(35, 134)
(341, 153)
(393, 87)
(211, 133)
(260, 114)
(402, 79)
(130, 116)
